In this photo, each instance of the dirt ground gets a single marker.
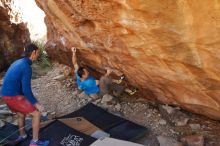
(59, 94)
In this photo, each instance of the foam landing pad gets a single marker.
(113, 142)
(59, 134)
(116, 126)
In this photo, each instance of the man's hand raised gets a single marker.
(73, 50)
(74, 61)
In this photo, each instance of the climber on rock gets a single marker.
(96, 88)
(17, 93)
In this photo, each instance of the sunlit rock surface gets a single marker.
(169, 49)
(13, 37)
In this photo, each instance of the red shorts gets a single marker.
(19, 104)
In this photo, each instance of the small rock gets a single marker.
(149, 115)
(172, 131)
(90, 99)
(118, 107)
(195, 126)
(2, 123)
(75, 93)
(96, 101)
(83, 95)
(106, 107)
(15, 123)
(193, 140)
(68, 84)
(169, 109)
(9, 119)
(119, 114)
(44, 114)
(173, 115)
(94, 96)
(168, 141)
(141, 100)
(162, 122)
(106, 98)
(204, 126)
(59, 77)
(5, 112)
(65, 102)
(151, 142)
(3, 106)
(182, 121)
(53, 113)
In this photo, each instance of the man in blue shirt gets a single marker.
(91, 86)
(17, 93)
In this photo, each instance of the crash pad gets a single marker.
(127, 131)
(80, 124)
(8, 133)
(116, 126)
(92, 118)
(113, 142)
(59, 134)
(97, 116)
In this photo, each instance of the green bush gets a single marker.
(43, 59)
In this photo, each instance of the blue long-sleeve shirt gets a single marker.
(17, 80)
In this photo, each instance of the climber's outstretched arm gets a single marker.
(74, 59)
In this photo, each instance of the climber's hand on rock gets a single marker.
(73, 50)
(108, 72)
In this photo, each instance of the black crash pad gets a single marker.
(127, 131)
(8, 133)
(116, 126)
(60, 134)
(97, 116)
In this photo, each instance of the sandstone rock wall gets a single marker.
(170, 49)
(12, 36)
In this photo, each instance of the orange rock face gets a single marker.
(169, 49)
(13, 37)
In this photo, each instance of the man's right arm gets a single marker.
(27, 91)
(74, 59)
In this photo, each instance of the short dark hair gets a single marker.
(29, 49)
(80, 71)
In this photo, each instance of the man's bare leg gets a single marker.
(21, 123)
(36, 124)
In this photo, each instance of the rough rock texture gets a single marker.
(169, 49)
(12, 36)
